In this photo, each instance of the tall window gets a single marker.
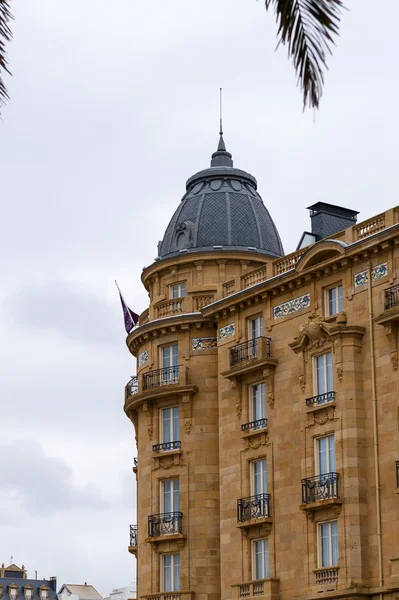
(171, 572)
(324, 377)
(28, 593)
(260, 559)
(170, 359)
(259, 477)
(334, 300)
(178, 290)
(325, 455)
(258, 405)
(170, 495)
(170, 425)
(328, 544)
(13, 592)
(256, 328)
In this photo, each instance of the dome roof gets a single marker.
(221, 210)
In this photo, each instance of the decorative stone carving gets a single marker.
(391, 332)
(292, 306)
(254, 442)
(147, 408)
(227, 331)
(376, 273)
(205, 343)
(187, 425)
(184, 234)
(166, 462)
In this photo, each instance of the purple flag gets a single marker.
(131, 319)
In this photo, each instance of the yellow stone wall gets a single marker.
(213, 463)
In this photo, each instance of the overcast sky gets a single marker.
(113, 106)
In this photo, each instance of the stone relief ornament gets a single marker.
(187, 425)
(166, 462)
(205, 343)
(227, 331)
(292, 306)
(143, 358)
(377, 272)
(184, 234)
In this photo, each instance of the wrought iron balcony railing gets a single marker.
(320, 399)
(136, 462)
(321, 487)
(248, 350)
(133, 386)
(253, 507)
(392, 297)
(327, 575)
(255, 425)
(165, 524)
(165, 376)
(133, 535)
(165, 446)
(397, 473)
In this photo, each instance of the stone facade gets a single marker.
(307, 514)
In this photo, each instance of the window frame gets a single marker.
(320, 545)
(261, 400)
(253, 559)
(171, 426)
(28, 589)
(259, 330)
(317, 440)
(181, 287)
(172, 494)
(316, 391)
(173, 587)
(327, 291)
(264, 476)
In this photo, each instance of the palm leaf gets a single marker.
(308, 27)
(5, 36)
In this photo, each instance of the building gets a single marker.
(15, 585)
(265, 405)
(78, 592)
(123, 593)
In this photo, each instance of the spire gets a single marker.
(221, 158)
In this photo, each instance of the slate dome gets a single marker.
(221, 210)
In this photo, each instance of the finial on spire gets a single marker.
(220, 110)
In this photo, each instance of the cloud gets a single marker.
(44, 484)
(60, 307)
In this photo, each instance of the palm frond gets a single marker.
(308, 27)
(5, 36)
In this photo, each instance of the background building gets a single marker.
(78, 592)
(15, 585)
(265, 405)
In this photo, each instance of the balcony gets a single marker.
(165, 376)
(320, 401)
(166, 446)
(326, 575)
(170, 596)
(250, 350)
(392, 297)
(320, 491)
(132, 386)
(254, 426)
(249, 356)
(169, 308)
(269, 589)
(133, 540)
(165, 524)
(254, 508)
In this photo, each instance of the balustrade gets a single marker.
(321, 487)
(253, 507)
(165, 524)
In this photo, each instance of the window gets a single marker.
(43, 594)
(28, 593)
(170, 358)
(325, 455)
(13, 592)
(260, 559)
(324, 378)
(171, 572)
(328, 544)
(170, 426)
(334, 300)
(259, 477)
(256, 328)
(170, 495)
(257, 408)
(178, 290)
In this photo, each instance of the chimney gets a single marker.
(53, 583)
(328, 219)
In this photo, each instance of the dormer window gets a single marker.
(28, 591)
(13, 592)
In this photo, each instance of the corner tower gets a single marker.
(221, 239)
